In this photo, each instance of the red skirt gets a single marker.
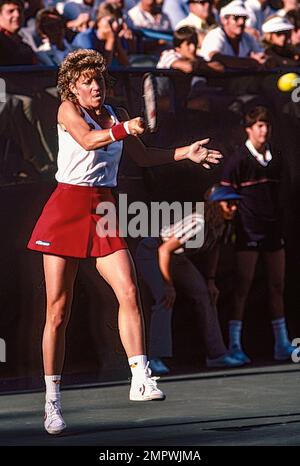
(69, 224)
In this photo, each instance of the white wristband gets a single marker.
(111, 135)
(126, 127)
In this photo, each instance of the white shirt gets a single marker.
(193, 20)
(167, 58)
(257, 15)
(78, 166)
(261, 158)
(139, 18)
(184, 230)
(217, 41)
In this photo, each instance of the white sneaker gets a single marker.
(53, 422)
(144, 387)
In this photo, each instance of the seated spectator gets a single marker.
(19, 115)
(184, 57)
(230, 44)
(176, 10)
(50, 26)
(148, 14)
(13, 51)
(294, 18)
(108, 35)
(258, 12)
(200, 17)
(288, 5)
(277, 39)
(73, 9)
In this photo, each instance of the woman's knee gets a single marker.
(129, 294)
(58, 312)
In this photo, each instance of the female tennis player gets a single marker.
(92, 137)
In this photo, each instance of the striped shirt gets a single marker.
(185, 230)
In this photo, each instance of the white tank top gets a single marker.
(78, 166)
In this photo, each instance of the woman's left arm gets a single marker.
(153, 156)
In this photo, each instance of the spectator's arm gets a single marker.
(165, 252)
(234, 62)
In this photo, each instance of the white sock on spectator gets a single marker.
(280, 332)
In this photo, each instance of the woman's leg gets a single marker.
(60, 275)
(119, 272)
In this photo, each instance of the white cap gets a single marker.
(235, 8)
(277, 24)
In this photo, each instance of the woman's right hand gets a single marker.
(136, 126)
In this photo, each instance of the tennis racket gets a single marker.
(149, 109)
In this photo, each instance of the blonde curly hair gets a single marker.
(76, 64)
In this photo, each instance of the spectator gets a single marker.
(230, 44)
(72, 10)
(288, 5)
(184, 57)
(13, 51)
(258, 12)
(200, 17)
(50, 26)
(176, 10)
(166, 268)
(148, 14)
(108, 35)
(255, 171)
(277, 37)
(294, 18)
(20, 116)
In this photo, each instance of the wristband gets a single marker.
(118, 132)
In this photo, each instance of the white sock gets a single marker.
(235, 334)
(52, 387)
(137, 364)
(280, 332)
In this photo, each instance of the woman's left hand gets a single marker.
(199, 154)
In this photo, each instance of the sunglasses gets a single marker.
(237, 17)
(202, 2)
(282, 33)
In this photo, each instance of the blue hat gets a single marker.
(223, 193)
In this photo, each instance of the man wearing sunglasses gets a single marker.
(200, 17)
(277, 39)
(230, 44)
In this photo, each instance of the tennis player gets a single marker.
(92, 137)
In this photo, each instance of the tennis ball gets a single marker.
(287, 82)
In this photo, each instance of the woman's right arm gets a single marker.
(71, 120)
